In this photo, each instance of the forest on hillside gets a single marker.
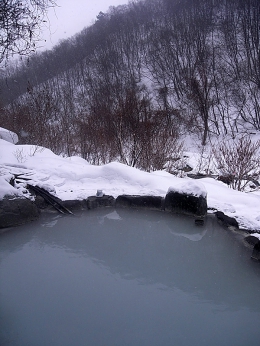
(142, 76)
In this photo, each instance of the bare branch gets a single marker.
(239, 160)
(20, 24)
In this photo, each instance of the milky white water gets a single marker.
(124, 277)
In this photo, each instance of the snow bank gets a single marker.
(190, 188)
(8, 136)
(75, 178)
(257, 235)
(6, 188)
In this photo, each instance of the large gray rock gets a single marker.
(102, 201)
(75, 205)
(226, 221)
(17, 211)
(256, 252)
(188, 198)
(132, 201)
(252, 240)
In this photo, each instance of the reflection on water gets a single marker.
(123, 277)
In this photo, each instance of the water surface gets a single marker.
(124, 277)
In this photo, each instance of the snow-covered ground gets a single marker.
(8, 135)
(74, 178)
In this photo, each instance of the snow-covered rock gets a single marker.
(189, 187)
(187, 196)
(17, 211)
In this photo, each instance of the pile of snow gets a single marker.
(257, 235)
(6, 188)
(189, 188)
(8, 136)
(74, 178)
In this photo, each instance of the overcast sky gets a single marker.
(71, 16)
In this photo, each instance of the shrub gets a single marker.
(239, 160)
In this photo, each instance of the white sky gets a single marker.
(71, 16)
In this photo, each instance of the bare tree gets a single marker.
(20, 23)
(238, 160)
